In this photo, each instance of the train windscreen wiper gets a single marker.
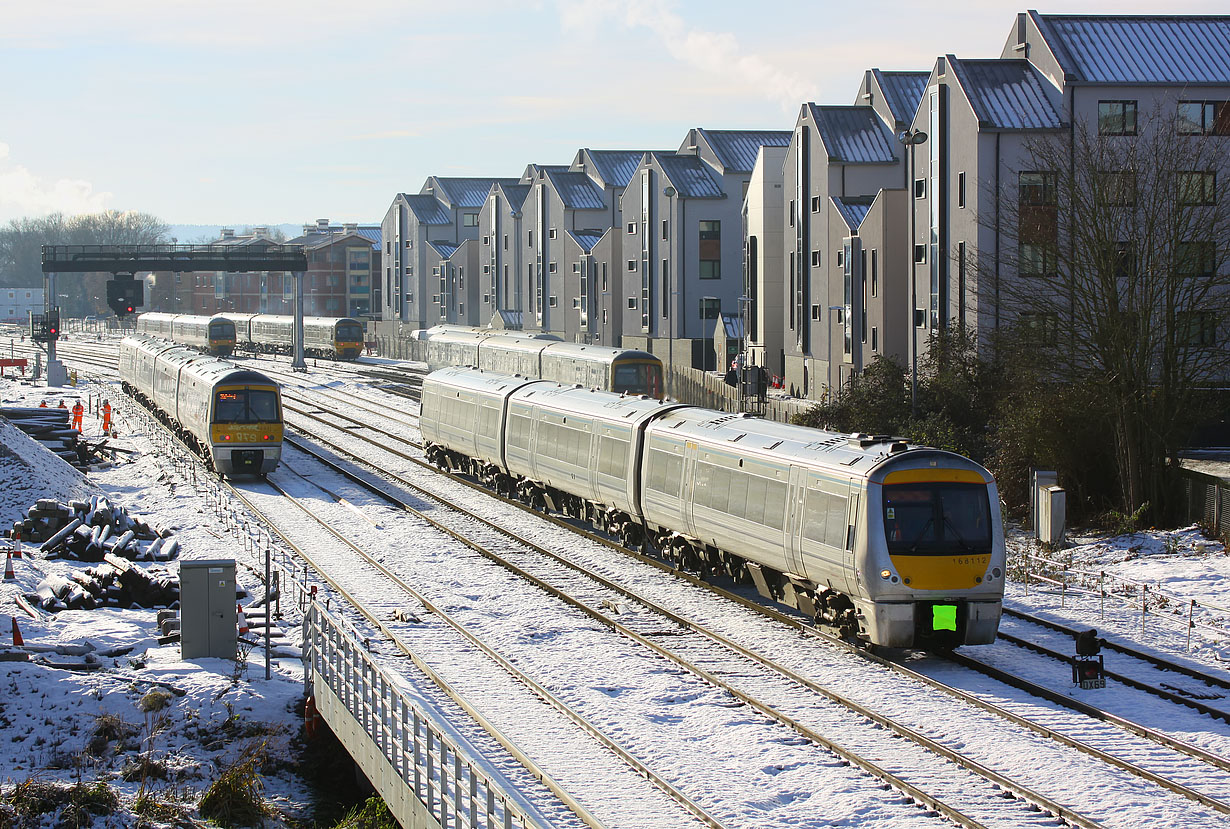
(918, 538)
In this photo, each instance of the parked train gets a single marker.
(339, 338)
(541, 355)
(214, 335)
(900, 545)
(231, 416)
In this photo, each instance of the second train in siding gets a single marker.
(338, 338)
(900, 545)
(532, 354)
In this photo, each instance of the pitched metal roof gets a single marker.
(576, 190)
(1140, 49)
(428, 210)
(615, 167)
(445, 249)
(317, 240)
(854, 134)
(691, 177)
(1007, 94)
(903, 92)
(585, 241)
(853, 209)
(467, 192)
(516, 194)
(737, 149)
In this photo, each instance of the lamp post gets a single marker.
(910, 139)
(669, 299)
(829, 368)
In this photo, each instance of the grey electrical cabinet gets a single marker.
(207, 609)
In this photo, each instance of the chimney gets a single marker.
(261, 232)
(228, 233)
(309, 229)
(322, 225)
(350, 227)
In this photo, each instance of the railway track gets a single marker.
(1198, 772)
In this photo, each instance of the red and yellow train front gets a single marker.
(245, 429)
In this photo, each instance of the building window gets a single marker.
(710, 308)
(791, 220)
(920, 188)
(1116, 188)
(469, 220)
(631, 228)
(551, 302)
(529, 238)
(604, 276)
(665, 230)
(631, 303)
(815, 311)
(815, 204)
(1042, 326)
(1038, 259)
(551, 233)
(621, 202)
(920, 254)
(1196, 329)
(1196, 258)
(505, 241)
(875, 338)
(666, 287)
(550, 267)
(815, 258)
(961, 189)
(1037, 188)
(1204, 118)
(841, 258)
(710, 250)
(409, 244)
(576, 267)
(486, 269)
(461, 309)
(486, 240)
(631, 265)
(1197, 188)
(875, 272)
(1116, 117)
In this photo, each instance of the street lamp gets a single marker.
(911, 139)
(670, 193)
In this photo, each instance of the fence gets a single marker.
(1207, 502)
(1152, 602)
(426, 760)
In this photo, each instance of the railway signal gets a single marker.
(125, 294)
(1087, 671)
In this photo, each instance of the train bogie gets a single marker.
(900, 545)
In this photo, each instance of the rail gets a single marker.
(429, 762)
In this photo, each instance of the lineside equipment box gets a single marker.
(207, 609)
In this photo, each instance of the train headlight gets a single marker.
(995, 572)
(884, 574)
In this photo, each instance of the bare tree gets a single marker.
(1120, 262)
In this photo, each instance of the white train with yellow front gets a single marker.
(901, 545)
(231, 416)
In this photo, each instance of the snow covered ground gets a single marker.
(50, 707)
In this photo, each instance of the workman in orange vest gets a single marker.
(106, 411)
(42, 404)
(78, 413)
(61, 406)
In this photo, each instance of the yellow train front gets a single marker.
(347, 338)
(245, 424)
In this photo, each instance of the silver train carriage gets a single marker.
(338, 338)
(900, 545)
(231, 416)
(535, 354)
(213, 335)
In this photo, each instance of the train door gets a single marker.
(853, 525)
(793, 531)
(687, 489)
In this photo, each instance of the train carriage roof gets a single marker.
(600, 405)
(600, 353)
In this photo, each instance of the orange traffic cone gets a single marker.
(9, 575)
(17, 542)
(17, 640)
(243, 622)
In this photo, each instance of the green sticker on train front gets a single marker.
(944, 617)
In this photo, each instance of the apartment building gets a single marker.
(342, 279)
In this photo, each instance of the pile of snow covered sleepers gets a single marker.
(50, 427)
(114, 583)
(90, 530)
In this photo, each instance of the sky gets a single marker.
(271, 111)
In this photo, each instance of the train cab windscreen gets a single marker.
(937, 518)
(222, 330)
(349, 332)
(637, 378)
(246, 406)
